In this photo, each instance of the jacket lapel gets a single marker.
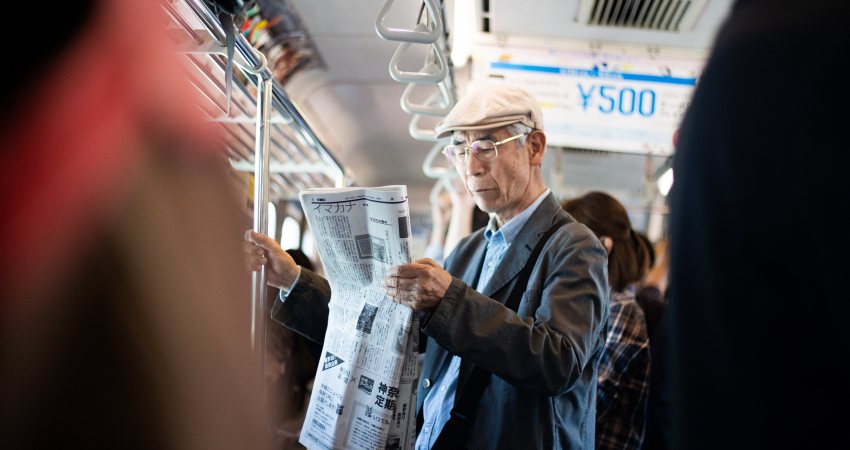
(520, 249)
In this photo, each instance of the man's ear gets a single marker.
(607, 242)
(537, 141)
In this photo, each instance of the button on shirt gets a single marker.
(440, 399)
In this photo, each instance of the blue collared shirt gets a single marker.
(440, 399)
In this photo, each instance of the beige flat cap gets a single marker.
(491, 106)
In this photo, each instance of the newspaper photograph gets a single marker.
(364, 394)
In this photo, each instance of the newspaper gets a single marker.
(364, 394)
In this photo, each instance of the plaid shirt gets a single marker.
(623, 377)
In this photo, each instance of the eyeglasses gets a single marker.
(485, 150)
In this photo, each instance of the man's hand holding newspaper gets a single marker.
(421, 285)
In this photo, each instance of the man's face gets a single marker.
(498, 186)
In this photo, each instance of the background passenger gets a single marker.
(123, 305)
(758, 238)
(624, 368)
(650, 297)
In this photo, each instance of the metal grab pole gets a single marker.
(261, 201)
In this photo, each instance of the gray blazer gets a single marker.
(544, 357)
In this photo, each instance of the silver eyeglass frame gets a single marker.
(467, 149)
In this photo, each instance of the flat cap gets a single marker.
(491, 106)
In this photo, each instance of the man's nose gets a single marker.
(473, 167)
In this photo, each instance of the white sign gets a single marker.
(621, 102)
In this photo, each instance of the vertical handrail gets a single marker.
(269, 95)
(261, 201)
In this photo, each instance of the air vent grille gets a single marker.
(655, 15)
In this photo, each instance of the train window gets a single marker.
(290, 233)
(272, 215)
(308, 246)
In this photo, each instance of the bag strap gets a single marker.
(456, 430)
(522, 279)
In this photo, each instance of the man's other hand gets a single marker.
(260, 250)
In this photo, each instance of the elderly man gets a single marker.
(516, 321)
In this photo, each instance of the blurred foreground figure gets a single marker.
(759, 272)
(118, 325)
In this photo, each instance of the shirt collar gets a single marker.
(511, 229)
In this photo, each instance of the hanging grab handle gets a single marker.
(442, 184)
(422, 34)
(434, 70)
(434, 171)
(429, 108)
(420, 134)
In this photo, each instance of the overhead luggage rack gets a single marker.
(298, 158)
(264, 132)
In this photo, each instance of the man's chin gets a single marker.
(484, 204)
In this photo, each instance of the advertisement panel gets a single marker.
(603, 101)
